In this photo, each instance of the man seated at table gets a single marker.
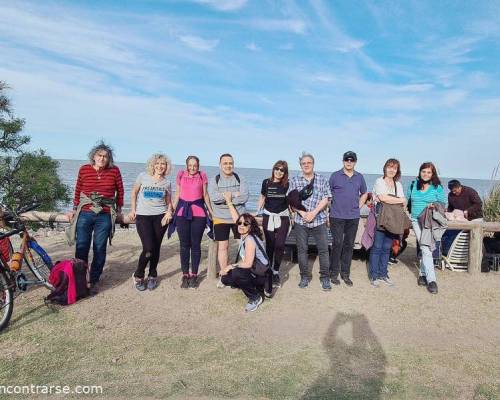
(462, 198)
(466, 199)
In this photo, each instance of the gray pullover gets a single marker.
(227, 184)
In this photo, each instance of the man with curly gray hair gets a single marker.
(97, 201)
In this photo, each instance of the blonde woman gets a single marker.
(152, 211)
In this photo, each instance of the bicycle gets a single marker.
(35, 257)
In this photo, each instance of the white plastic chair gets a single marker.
(457, 258)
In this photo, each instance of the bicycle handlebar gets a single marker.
(10, 233)
(28, 207)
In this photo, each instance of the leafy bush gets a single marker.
(491, 203)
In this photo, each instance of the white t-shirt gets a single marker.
(381, 187)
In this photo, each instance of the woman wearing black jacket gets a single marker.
(273, 204)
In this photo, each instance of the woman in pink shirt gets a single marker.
(191, 203)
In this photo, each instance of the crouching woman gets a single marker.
(239, 275)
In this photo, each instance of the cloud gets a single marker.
(198, 43)
(252, 47)
(224, 5)
(340, 41)
(447, 51)
(296, 26)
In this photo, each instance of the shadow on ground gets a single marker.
(357, 361)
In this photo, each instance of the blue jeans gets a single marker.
(380, 253)
(427, 262)
(99, 224)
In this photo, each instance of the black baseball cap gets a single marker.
(350, 154)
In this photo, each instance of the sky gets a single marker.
(263, 80)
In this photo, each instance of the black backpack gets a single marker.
(217, 178)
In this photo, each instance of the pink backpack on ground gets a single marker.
(70, 280)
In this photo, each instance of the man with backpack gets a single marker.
(226, 182)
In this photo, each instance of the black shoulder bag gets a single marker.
(258, 268)
(307, 191)
(408, 204)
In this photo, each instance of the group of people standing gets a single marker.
(309, 201)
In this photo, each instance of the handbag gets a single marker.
(258, 267)
(307, 191)
(385, 213)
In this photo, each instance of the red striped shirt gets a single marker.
(106, 182)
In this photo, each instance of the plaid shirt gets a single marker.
(321, 190)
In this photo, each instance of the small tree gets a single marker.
(25, 175)
(491, 203)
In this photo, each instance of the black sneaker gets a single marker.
(152, 283)
(276, 281)
(432, 287)
(140, 284)
(304, 282)
(185, 282)
(422, 281)
(393, 260)
(193, 282)
(93, 288)
(347, 281)
(335, 281)
(325, 284)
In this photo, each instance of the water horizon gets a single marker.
(68, 171)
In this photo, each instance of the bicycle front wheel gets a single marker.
(38, 262)
(6, 300)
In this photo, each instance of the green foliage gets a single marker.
(25, 176)
(491, 203)
(34, 178)
(11, 140)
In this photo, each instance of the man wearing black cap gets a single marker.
(349, 193)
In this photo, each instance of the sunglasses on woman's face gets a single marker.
(239, 223)
(282, 170)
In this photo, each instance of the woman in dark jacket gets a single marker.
(276, 216)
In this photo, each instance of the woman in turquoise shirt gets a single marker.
(424, 192)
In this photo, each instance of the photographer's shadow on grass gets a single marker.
(357, 361)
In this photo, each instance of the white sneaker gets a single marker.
(220, 285)
(387, 281)
(374, 283)
(253, 305)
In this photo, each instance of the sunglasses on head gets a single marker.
(244, 223)
(349, 160)
(279, 169)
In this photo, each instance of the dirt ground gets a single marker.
(351, 343)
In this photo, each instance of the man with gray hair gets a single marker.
(310, 218)
(97, 202)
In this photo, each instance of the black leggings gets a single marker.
(242, 278)
(190, 233)
(275, 241)
(151, 233)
